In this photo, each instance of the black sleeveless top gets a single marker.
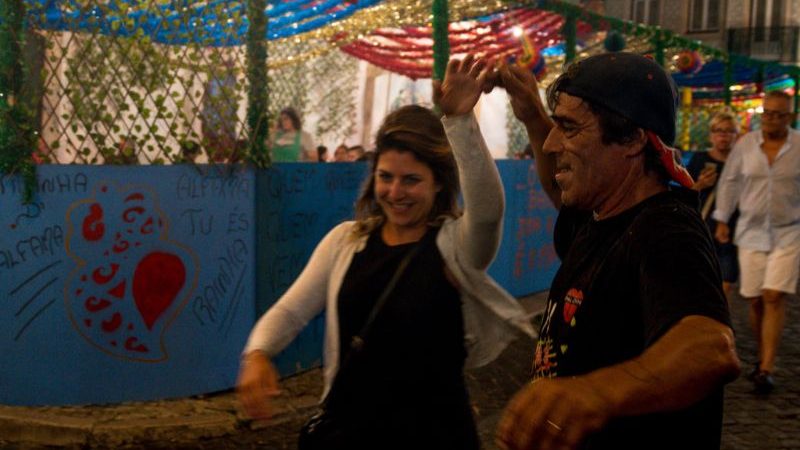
(406, 386)
(417, 340)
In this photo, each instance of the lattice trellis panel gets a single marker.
(517, 136)
(119, 98)
(324, 86)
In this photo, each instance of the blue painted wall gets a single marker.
(123, 283)
(137, 283)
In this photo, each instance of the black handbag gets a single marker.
(323, 430)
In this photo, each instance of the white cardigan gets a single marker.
(492, 317)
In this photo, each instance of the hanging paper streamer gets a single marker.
(688, 62)
(408, 51)
(530, 59)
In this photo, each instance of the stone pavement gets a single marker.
(214, 422)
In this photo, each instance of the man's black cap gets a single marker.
(629, 84)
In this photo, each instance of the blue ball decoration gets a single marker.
(614, 41)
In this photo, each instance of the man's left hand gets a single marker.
(552, 414)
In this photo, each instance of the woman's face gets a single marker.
(286, 123)
(405, 189)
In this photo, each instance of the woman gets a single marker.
(290, 143)
(406, 386)
(705, 167)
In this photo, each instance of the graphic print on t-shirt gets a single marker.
(572, 301)
(548, 349)
(544, 358)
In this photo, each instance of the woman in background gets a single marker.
(289, 142)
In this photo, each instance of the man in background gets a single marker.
(762, 178)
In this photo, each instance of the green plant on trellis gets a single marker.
(289, 85)
(113, 88)
(323, 85)
(127, 96)
(517, 136)
(336, 107)
(17, 137)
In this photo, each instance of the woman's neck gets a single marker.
(394, 235)
(719, 154)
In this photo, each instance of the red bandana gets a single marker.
(670, 159)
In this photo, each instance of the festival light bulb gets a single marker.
(517, 31)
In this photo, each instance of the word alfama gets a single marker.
(46, 243)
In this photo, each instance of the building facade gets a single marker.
(762, 29)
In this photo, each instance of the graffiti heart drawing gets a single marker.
(130, 280)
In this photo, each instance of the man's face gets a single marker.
(587, 170)
(353, 154)
(777, 115)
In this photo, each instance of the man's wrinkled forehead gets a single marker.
(570, 108)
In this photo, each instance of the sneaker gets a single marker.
(763, 382)
(751, 376)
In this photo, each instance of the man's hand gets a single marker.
(722, 233)
(523, 92)
(552, 414)
(462, 86)
(257, 384)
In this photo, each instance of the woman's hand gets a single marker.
(707, 179)
(462, 86)
(257, 384)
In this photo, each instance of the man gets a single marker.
(705, 168)
(762, 177)
(340, 154)
(635, 344)
(355, 153)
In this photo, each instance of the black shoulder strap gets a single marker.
(357, 343)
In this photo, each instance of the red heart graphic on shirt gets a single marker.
(572, 302)
(157, 280)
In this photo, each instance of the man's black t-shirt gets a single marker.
(623, 282)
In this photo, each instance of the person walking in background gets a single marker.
(406, 386)
(635, 345)
(322, 153)
(762, 179)
(705, 168)
(355, 153)
(340, 154)
(289, 142)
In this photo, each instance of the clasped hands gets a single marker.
(466, 79)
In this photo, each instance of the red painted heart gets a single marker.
(157, 280)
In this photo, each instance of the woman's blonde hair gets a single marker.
(724, 116)
(419, 131)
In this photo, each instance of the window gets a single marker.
(766, 15)
(704, 15)
(646, 11)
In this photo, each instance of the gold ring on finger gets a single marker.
(554, 425)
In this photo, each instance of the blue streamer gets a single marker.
(195, 24)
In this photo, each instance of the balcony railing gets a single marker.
(768, 43)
